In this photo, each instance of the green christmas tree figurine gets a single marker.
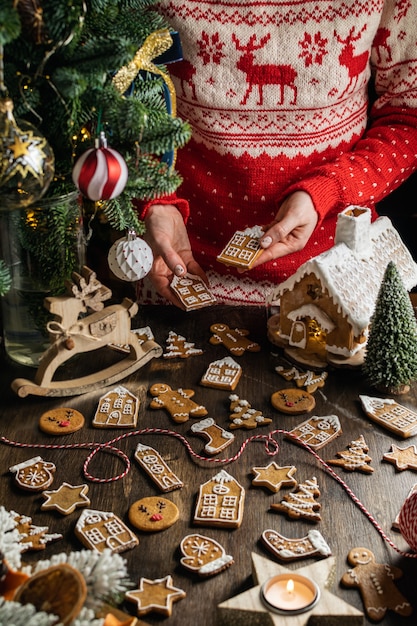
(391, 355)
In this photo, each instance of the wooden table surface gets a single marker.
(343, 524)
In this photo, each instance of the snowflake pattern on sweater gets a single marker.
(277, 96)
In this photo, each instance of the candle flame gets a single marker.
(290, 585)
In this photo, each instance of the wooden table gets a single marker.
(343, 524)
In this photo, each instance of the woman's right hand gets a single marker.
(167, 236)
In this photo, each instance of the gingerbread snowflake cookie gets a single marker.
(375, 582)
(203, 555)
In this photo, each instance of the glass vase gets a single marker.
(41, 244)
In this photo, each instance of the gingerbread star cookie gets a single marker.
(402, 458)
(155, 595)
(293, 401)
(66, 498)
(61, 421)
(274, 477)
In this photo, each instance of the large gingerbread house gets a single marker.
(326, 306)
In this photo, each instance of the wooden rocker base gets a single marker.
(77, 386)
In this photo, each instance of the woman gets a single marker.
(284, 135)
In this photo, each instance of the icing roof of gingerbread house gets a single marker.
(353, 276)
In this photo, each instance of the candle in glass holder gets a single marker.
(290, 593)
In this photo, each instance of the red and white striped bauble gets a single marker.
(407, 521)
(101, 172)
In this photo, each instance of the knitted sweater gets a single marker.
(276, 92)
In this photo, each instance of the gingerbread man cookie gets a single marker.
(218, 437)
(178, 403)
(375, 582)
(235, 340)
(402, 458)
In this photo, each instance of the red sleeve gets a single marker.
(386, 155)
(181, 204)
(381, 160)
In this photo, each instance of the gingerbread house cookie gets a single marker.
(316, 431)
(222, 374)
(243, 248)
(157, 469)
(386, 412)
(98, 530)
(117, 408)
(192, 291)
(220, 502)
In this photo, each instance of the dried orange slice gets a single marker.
(59, 590)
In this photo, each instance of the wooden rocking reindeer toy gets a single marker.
(82, 323)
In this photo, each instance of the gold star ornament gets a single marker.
(27, 162)
(249, 609)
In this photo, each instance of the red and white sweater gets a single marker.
(276, 92)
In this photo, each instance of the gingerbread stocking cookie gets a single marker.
(375, 582)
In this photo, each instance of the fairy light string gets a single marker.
(271, 445)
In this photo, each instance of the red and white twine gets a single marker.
(271, 449)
